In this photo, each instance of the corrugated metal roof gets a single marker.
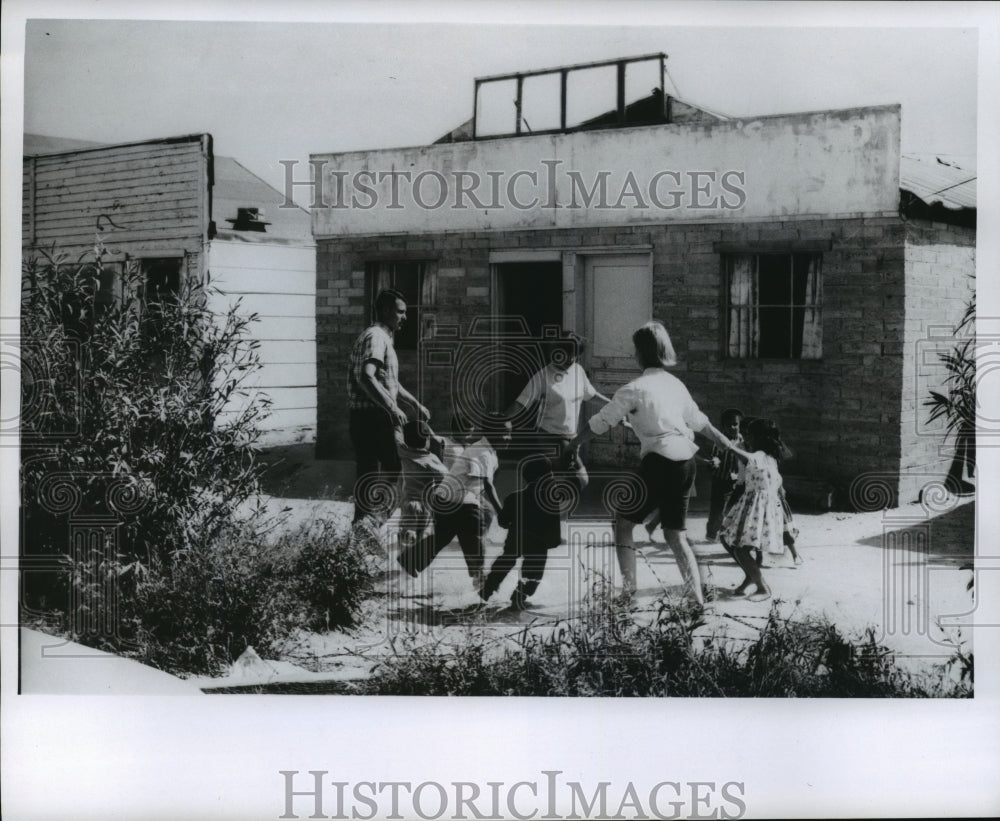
(937, 179)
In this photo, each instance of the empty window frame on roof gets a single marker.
(603, 94)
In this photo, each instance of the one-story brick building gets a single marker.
(805, 269)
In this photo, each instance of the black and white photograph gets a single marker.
(621, 369)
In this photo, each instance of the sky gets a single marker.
(273, 91)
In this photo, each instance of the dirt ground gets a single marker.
(898, 572)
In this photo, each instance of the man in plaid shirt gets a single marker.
(373, 396)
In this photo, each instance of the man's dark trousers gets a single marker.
(374, 439)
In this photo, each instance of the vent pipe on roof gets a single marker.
(249, 219)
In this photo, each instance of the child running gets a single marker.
(532, 519)
(422, 470)
(756, 520)
(460, 506)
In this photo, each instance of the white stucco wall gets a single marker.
(828, 163)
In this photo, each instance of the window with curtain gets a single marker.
(415, 282)
(774, 306)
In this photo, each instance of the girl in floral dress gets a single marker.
(756, 521)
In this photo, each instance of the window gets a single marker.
(161, 279)
(154, 281)
(774, 306)
(102, 281)
(415, 283)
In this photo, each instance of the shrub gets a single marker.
(957, 404)
(136, 408)
(197, 611)
(140, 476)
(610, 653)
(329, 573)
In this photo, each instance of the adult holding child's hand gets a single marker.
(554, 395)
(665, 418)
(373, 397)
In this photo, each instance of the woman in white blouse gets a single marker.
(556, 394)
(665, 418)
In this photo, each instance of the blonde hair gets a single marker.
(652, 344)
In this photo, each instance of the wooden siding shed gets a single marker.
(174, 199)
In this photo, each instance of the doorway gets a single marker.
(528, 308)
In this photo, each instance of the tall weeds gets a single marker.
(610, 653)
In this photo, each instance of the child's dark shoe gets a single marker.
(405, 566)
(518, 601)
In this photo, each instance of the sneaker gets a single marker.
(518, 601)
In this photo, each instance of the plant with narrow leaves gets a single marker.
(150, 394)
(956, 405)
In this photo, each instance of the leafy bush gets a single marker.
(140, 477)
(612, 654)
(199, 610)
(136, 407)
(329, 573)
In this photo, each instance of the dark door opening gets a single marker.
(532, 292)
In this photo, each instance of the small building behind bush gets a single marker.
(171, 208)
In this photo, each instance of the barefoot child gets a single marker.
(533, 526)
(756, 520)
(791, 532)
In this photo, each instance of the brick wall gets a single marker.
(841, 414)
(940, 265)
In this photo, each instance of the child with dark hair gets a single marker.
(756, 522)
(462, 500)
(532, 517)
(422, 469)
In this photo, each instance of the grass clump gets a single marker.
(608, 652)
